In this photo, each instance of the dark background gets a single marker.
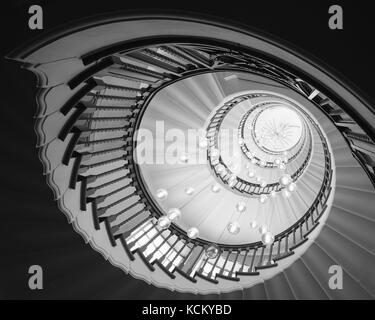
(32, 229)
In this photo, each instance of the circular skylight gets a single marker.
(278, 129)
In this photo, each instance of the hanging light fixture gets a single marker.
(161, 194)
(184, 158)
(164, 222)
(241, 206)
(251, 174)
(263, 184)
(285, 179)
(233, 227)
(193, 233)
(253, 224)
(263, 198)
(267, 238)
(215, 188)
(189, 191)
(174, 214)
(286, 193)
(262, 229)
(292, 187)
(212, 251)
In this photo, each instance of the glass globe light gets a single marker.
(285, 179)
(215, 188)
(263, 184)
(267, 238)
(258, 179)
(263, 198)
(262, 163)
(189, 191)
(277, 161)
(174, 214)
(286, 193)
(273, 194)
(292, 187)
(193, 233)
(212, 251)
(233, 227)
(241, 142)
(282, 166)
(254, 161)
(251, 174)
(161, 194)
(184, 158)
(241, 206)
(253, 224)
(164, 222)
(263, 229)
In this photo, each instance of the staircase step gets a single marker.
(354, 178)
(278, 288)
(355, 201)
(319, 263)
(353, 258)
(354, 227)
(305, 286)
(257, 292)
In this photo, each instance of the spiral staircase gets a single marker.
(97, 93)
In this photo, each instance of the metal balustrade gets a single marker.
(233, 262)
(128, 210)
(171, 248)
(241, 185)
